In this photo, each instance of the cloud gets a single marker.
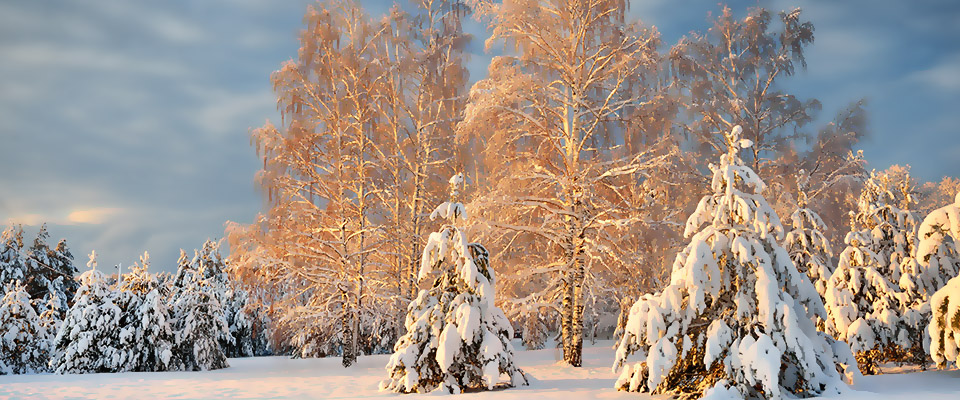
(39, 55)
(75, 216)
(92, 215)
(227, 113)
(944, 76)
(840, 52)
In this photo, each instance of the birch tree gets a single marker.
(550, 118)
(365, 107)
(420, 104)
(733, 75)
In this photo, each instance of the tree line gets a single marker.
(584, 148)
(55, 321)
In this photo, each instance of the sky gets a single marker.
(125, 125)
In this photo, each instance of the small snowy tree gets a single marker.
(61, 262)
(88, 338)
(50, 320)
(944, 328)
(863, 306)
(128, 346)
(243, 321)
(39, 274)
(937, 254)
(12, 264)
(23, 338)
(871, 299)
(737, 315)
(200, 323)
(146, 326)
(938, 250)
(155, 334)
(456, 336)
(806, 243)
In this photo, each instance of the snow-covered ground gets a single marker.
(284, 378)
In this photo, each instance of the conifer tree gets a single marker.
(240, 319)
(944, 328)
(12, 264)
(806, 243)
(61, 260)
(456, 336)
(938, 249)
(40, 275)
(737, 316)
(146, 326)
(937, 254)
(155, 334)
(51, 318)
(23, 338)
(871, 300)
(88, 339)
(200, 323)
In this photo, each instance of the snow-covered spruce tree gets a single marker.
(862, 305)
(37, 257)
(806, 243)
(23, 338)
(128, 346)
(49, 271)
(938, 250)
(155, 334)
(871, 301)
(200, 323)
(12, 264)
(937, 253)
(944, 328)
(146, 325)
(737, 315)
(234, 301)
(240, 339)
(61, 262)
(51, 317)
(88, 339)
(456, 336)
(240, 318)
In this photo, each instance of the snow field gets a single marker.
(325, 378)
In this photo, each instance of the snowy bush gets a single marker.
(737, 317)
(23, 338)
(456, 337)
